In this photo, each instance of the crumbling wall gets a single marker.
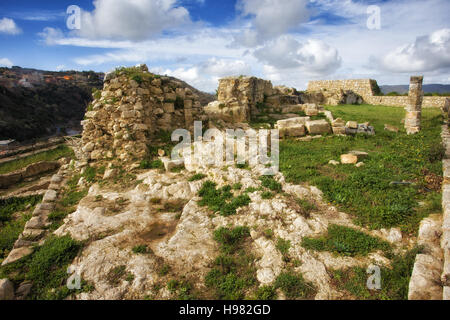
(330, 92)
(134, 106)
(238, 98)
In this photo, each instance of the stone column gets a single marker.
(414, 107)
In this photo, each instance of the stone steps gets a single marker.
(36, 228)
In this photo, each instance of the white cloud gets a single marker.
(5, 62)
(270, 19)
(205, 75)
(8, 26)
(428, 53)
(313, 57)
(132, 19)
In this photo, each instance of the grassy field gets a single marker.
(367, 192)
(50, 155)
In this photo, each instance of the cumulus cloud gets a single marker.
(313, 56)
(8, 26)
(133, 19)
(428, 53)
(5, 62)
(205, 75)
(270, 19)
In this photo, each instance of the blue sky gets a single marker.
(287, 41)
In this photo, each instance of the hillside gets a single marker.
(427, 88)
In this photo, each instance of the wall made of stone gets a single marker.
(364, 88)
(133, 107)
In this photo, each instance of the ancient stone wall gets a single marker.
(365, 88)
(134, 106)
(238, 98)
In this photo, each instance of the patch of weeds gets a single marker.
(266, 195)
(270, 183)
(47, 268)
(151, 164)
(266, 293)
(90, 174)
(57, 215)
(99, 198)
(268, 233)
(116, 274)
(9, 232)
(142, 249)
(221, 200)
(394, 280)
(294, 286)
(164, 270)
(237, 186)
(283, 246)
(234, 272)
(184, 289)
(12, 205)
(197, 177)
(346, 241)
(243, 166)
(307, 205)
(129, 277)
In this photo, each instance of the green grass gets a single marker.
(266, 293)
(50, 155)
(9, 233)
(294, 286)
(46, 268)
(151, 164)
(394, 280)
(222, 199)
(197, 177)
(11, 205)
(270, 183)
(233, 273)
(366, 192)
(283, 246)
(141, 249)
(346, 241)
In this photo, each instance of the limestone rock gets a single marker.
(349, 159)
(318, 127)
(6, 290)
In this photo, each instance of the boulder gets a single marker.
(349, 159)
(318, 126)
(6, 290)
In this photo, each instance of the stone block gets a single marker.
(318, 127)
(50, 196)
(17, 254)
(169, 107)
(352, 125)
(349, 159)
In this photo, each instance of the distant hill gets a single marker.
(36, 103)
(203, 97)
(427, 88)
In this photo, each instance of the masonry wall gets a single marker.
(364, 88)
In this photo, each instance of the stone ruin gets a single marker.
(132, 108)
(414, 107)
(135, 105)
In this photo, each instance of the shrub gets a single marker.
(231, 239)
(436, 153)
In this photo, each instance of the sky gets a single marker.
(289, 42)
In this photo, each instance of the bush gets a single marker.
(231, 239)
(283, 246)
(436, 153)
(266, 293)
